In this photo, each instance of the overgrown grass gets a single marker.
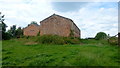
(113, 41)
(55, 39)
(89, 53)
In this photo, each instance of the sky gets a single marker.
(91, 17)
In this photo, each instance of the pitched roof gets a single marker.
(31, 24)
(54, 15)
(61, 17)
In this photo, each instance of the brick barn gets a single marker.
(55, 25)
(31, 30)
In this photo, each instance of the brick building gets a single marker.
(31, 30)
(56, 25)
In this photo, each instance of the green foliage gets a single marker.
(15, 33)
(6, 36)
(3, 26)
(10, 33)
(54, 39)
(71, 33)
(50, 39)
(18, 32)
(1, 18)
(113, 40)
(12, 30)
(38, 34)
(101, 35)
(33, 22)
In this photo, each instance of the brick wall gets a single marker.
(31, 30)
(58, 26)
(53, 25)
(75, 29)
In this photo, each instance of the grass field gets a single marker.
(25, 52)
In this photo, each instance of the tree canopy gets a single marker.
(3, 34)
(101, 35)
(33, 22)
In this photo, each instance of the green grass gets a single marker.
(16, 52)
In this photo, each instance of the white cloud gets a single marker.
(21, 12)
(84, 0)
(89, 20)
(92, 21)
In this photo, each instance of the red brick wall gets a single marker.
(54, 25)
(58, 26)
(75, 29)
(31, 30)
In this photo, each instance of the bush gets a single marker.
(54, 39)
(6, 36)
(101, 35)
(113, 40)
(50, 39)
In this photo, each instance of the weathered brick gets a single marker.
(31, 30)
(54, 25)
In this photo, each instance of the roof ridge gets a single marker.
(55, 15)
(59, 16)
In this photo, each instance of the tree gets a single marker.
(19, 32)
(12, 30)
(3, 26)
(33, 22)
(1, 17)
(15, 33)
(101, 35)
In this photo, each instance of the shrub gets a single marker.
(50, 39)
(101, 35)
(54, 39)
(113, 40)
(6, 36)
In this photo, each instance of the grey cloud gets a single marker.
(67, 6)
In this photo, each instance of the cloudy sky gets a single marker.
(90, 17)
